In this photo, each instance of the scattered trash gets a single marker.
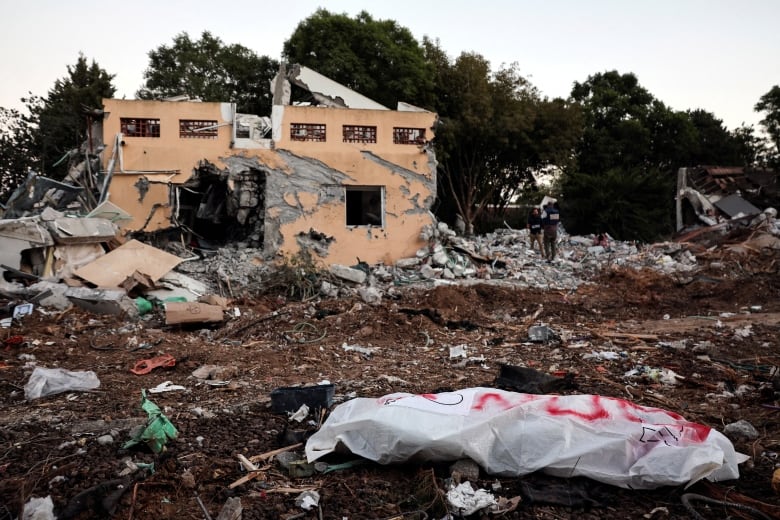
(158, 428)
(51, 381)
(604, 354)
(530, 381)
(301, 414)
(145, 366)
(232, 510)
(539, 333)
(290, 399)
(308, 500)
(459, 351)
(610, 440)
(166, 386)
(192, 312)
(366, 351)
(466, 500)
(38, 509)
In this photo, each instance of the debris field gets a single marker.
(701, 342)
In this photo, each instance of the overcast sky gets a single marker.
(718, 55)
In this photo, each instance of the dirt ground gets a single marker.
(718, 329)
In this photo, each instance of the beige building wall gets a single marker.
(306, 182)
(406, 174)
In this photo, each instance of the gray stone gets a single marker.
(741, 430)
(348, 273)
(427, 271)
(370, 295)
(464, 470)
(105, 440)
(406, 263)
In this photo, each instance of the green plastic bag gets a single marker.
(158, 428)
(143, 305)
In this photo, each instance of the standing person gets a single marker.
(550, 220)
(534, 228)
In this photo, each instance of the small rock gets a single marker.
(105, 440)
(188, 479)
(741, 430)
(464, 470)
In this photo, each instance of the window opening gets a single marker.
(242, 132)
(198, 129)
(365, 205)
(139, 127)
(408, 135)
(359, 134)
(307, 132)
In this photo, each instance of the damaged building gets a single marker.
(707, 195)
(340, 175)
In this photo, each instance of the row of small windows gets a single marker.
(188, 128)
(208, 129)
(355, 134)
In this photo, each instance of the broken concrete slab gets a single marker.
(110, 211)
(102, 301)
(348, 273)
(68, 258)
(174, 285)
(82, 230)
(114, 268)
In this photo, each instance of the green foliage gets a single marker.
(61, 117)
(496, 132)
(769, 103)
(629, 204)
(631, 149)
(377, 58)
(18, 149)
(210, 70)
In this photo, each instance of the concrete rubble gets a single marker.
(502, 257)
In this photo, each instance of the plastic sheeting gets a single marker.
(50, 381)
(510, 434)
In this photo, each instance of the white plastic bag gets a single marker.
(50, 381)
(511, 434)
(38, 509)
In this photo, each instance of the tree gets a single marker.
(60, 117)
(628, 203)
(210, 70)
(377, 58)
(770, 104)
(715, 145)
(495, 132)
(18, 148)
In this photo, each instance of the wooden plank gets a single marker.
(114, 268)
(192, 312)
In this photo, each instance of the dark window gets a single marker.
(307, 132)
(359, 134)
(408, 135)
(139, 127)
(198, 129)
(365, 206)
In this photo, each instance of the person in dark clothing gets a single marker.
(550, 219)
(534, 227)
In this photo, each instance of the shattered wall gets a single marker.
(338, 198)
(144, 167)
(310, 195)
